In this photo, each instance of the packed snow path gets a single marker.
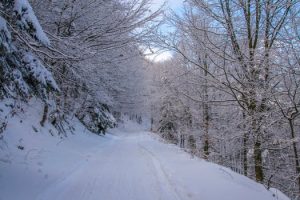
(124, 168)
(134, 166)
(124, 165)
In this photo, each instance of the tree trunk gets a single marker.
(206, 116)
(295, 151)
(152, 122)
(45, 114)
(258, 165)
(206, 129)
(259, 175)
(245, 150)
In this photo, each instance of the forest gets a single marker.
(229, 93)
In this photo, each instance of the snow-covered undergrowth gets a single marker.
(129, 163)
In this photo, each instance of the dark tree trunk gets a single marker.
(258, 165)
(206, 116)
(45, 114)
(295, 151)
(245, 149)
(259, 175)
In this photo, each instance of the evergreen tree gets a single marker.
(22, 72)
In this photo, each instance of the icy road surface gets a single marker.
(124, 165)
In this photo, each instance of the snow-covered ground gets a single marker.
(129, 163)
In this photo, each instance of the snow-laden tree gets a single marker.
(22, 73)
(96, 52)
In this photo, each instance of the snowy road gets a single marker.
(134, 166)
(128, 164)
(124, 168)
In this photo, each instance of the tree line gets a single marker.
(231, 92)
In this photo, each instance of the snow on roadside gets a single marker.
(31, 159)
(36, 165)
(198, 178)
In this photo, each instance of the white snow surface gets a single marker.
(129, 163)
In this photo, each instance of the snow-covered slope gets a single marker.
(127, 164)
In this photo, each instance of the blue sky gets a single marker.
(173, 4)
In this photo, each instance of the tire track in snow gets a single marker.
(162, 175)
